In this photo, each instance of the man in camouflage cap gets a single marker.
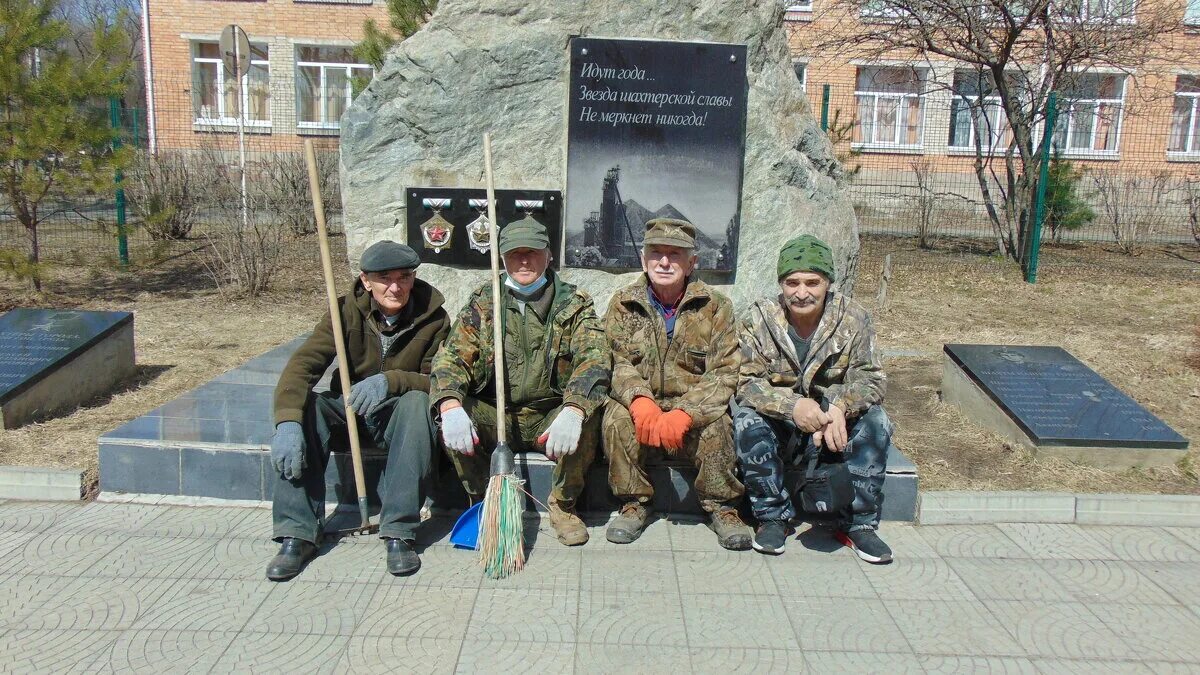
(393, 323)
(558, 369)
(675, 366)
(811, 382)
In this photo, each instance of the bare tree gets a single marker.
(925, 202)
(1012, 56)
(1133, 207)
(1191, 202)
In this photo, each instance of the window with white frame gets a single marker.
(800, 6)
(325, 78)
(1191, 15)
(1184, 137)
(216, 99)
(1101, 10)
(891, 108)
(801, 70)
(976, 109)
(1089, 115)
(881, 9)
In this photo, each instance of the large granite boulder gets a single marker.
(501, 66)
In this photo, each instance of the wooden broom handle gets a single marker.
(497, 330)
(335, 314)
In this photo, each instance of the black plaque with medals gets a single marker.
(654, 129)
(448, 226)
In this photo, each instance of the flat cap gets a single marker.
(670, 232)
(388, 255)
(524, 233)
(805, 253)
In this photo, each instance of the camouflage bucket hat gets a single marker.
(805, 253)
(670, 232)
(524, 233)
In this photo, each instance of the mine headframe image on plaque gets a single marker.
(655, 129)
(449, 226)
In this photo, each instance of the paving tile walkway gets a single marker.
(105, 587)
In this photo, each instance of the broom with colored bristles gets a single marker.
(501, 528)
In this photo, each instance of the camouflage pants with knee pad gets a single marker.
(762, 446)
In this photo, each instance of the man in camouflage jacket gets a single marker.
(557, 375)
(675, 366)
(811, 382)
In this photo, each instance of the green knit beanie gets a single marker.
(805, 253)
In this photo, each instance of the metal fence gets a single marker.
(186, 182)
(1120, 174)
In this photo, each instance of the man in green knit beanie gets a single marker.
(811, 385)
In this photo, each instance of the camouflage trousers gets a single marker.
(710, 449)
(524, 427)
(770, 472)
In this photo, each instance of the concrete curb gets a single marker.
(40, 483)
(963, 508)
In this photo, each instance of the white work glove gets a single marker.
(458, 433)
(562, 436)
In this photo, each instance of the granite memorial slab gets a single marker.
(52, 360)
(1054, 404)
(213, 441)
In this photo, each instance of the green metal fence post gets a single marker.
(825, 108)
(1039, 210)
(114, 116)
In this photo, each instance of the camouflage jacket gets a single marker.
(576, 352)
(696, 371)
(842, 366)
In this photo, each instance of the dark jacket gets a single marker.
(407, 363)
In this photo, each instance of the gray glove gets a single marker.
(366, 395)
(562, 436)
(287, 450)
(458, 433)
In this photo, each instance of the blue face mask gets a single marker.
(528, 289)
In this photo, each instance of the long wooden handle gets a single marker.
(497, 329)
(339, 344)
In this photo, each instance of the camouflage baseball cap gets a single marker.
(670, 232)
(805, 253)
(524, 233)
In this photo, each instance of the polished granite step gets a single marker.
(213, 441)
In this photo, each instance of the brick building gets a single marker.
(300, 80)
(1148, 120)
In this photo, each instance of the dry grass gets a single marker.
(185, 333)
(1130, 319)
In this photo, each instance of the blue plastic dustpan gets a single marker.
(465, 533)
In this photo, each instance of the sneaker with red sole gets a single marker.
(867, 545)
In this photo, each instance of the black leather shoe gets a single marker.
(293, 555)
(402, 560)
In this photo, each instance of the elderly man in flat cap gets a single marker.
(675, 366)
(392, 323)
(811, 382)
(558, 370)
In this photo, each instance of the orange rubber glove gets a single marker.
(645, 412)
(671, 427)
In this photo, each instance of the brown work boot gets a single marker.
(629, 523)
(566, 523)
(732, 533)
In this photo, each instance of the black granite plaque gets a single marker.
(457, 237)
(35, 342)
(655, 128)
(1059, 401)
